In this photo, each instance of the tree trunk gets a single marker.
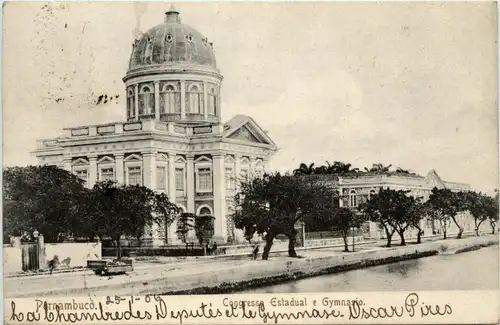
(492, 224)
(402, 236)
(389, 235)
(460, 229)
(477, 227)
(346, 244)
(267, 248)
(291, 246)
(444, 233)
(419, 236)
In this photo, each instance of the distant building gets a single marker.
(355, 190)
(173, 139)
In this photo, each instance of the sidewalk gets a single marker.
(174, 277)
(147, 261)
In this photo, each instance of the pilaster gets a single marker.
(183, 99)
(136, 101)
(148, 172)
(172, 236)
(205, 99)
(119, 168)
(157, 100)
(92, 170)
(148, 169)
(67, 164)
(190, 183)
(219, 197)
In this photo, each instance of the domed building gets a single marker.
(173, 139)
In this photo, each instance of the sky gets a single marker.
(408, 84)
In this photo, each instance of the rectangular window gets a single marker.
(211, 105)
(160, 178)
(82, 174)
(244, 174)
(179, 179)
(134, 176)
(229, 179)
(204, 179)
(107, 174)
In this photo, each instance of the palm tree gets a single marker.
(304, 169)
(343, 168)
(379, 168)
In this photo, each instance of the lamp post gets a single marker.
(37, 249)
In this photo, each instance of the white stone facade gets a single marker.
(173, 140)
(355, 190)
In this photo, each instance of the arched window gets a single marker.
(130, 103)
(353, 200)
(205, 211)
(169, 100)
(146, 101)
(212, 102)
(195, 100)
(372, 193)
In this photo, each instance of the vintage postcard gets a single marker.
(250, 162)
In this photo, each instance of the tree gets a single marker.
(477, 204)
(446, 205)
(202, 225)
(43, 198)
(304, 169)
(271, 205)
(342, 219)
(390, 208)
(185, 222)
(165, 211)
(492, 211)
(437, 214)
(415, 214)
(122, 210)
(378, 168)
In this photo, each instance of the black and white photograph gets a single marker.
(249, 149)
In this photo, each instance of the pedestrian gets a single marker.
(214, 248)
(208, 248)
(255, 250)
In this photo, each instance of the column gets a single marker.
(219, 199)
(149, 173)
(171, 237)
(119, 168)
(183, 99)
(190, 184)
(157, 100)
(205, 99)
(136, 101)
(67, 164)
(92, 171)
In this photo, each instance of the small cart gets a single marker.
(101, 267)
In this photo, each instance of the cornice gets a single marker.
(162, 69)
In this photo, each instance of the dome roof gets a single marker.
(172, 43)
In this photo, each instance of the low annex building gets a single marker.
(354, 190)
(172, 139)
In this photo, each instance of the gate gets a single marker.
(33, 256)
